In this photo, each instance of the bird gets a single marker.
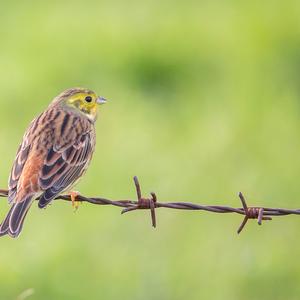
(54, 154)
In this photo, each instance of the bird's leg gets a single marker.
(73, 195)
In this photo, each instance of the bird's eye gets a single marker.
(88, 99)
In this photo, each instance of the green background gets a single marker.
(205, 102)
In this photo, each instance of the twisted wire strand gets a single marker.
(151, 203)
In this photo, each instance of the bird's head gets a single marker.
(80, 100)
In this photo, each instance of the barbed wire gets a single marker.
(151, 203)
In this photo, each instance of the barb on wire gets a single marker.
(151, 203)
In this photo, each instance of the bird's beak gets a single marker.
(101, 100)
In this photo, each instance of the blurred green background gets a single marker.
(205, 102)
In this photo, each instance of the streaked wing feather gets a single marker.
(57, 175)
(18, 166)
(61, 185)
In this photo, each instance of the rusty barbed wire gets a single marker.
(151, 203)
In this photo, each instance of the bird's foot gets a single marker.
(75, 204)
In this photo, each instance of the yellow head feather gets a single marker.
(81, 100)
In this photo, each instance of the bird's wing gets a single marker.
(63, 166)
(16, 171)
(21, 160)
(55, 151)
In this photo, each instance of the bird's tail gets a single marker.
(13, 223)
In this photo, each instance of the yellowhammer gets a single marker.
(55, 152)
